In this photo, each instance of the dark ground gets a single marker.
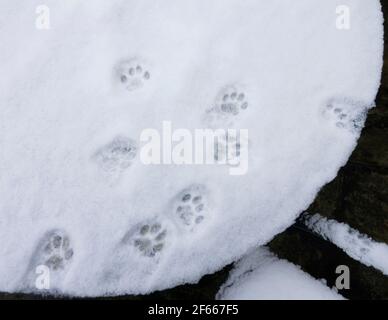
(358, 196)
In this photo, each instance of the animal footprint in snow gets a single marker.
(142, 247)
(231, 101)
(191, 207)
(148, 239)
(54, 252)
(229, 148)
(57, 251)
(133, 74)
(346, 114)
(117, 155)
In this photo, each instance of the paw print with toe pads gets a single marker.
(133, 74)
(148, 239)
(117, 155)
(191, 207)
(346, 114)
(229, 148)
(230, 102)
(55, 252)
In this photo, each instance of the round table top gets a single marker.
(145, 144)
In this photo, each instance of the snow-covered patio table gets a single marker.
(84, 82)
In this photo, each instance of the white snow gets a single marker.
(357, 245)
(260, 275)
(72, 111)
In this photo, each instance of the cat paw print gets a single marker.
(142, 246)
(54, 253)
(133, 74)
(191, 207)
(231, 147)
(231, 101)
(57, 251)
(117, 155)
(148, 239)
(346, 114)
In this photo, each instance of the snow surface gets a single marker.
(260, 275)
(73, 193)
(358, 246)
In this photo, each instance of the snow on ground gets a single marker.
(358, 246)
(260, 275)
(75, 196)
